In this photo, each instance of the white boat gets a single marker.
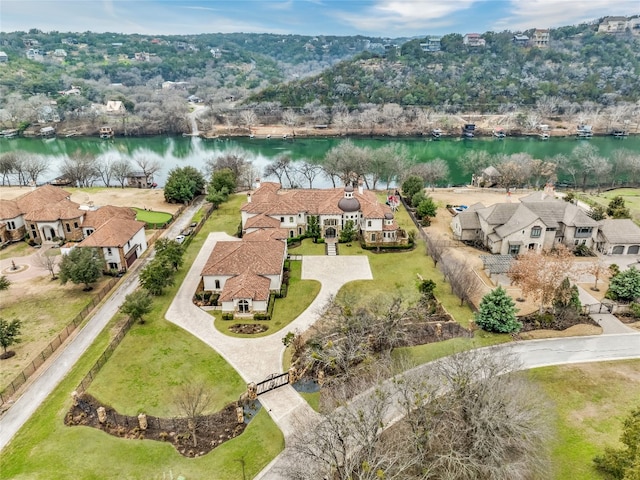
(499, 133)
(436, 133)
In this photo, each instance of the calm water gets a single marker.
(181, 151)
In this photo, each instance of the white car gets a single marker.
(180, 238)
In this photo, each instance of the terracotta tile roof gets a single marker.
(96, 218)
(264, 234)
(262, 221)
(41, 197)
(115, 232)
(269, 199)
(246, 285)
(62, 210)
(9, 209)
(392, 227)
(234, 258)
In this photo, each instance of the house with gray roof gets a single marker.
(537, 222)
(618, 237)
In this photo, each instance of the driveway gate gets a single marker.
(272, 382)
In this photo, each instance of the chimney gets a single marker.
(257, 183)
(248, 197)
(360, 187)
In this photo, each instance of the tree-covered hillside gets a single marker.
(578, 66)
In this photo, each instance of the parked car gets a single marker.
(180, 238)
(187, 231)
(193, 225)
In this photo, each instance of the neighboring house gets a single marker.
(618, 237)
(72, 91)
(537, 222)
(140, 180)
(613, 25)
(540, 38)
(34, 54)
(46, 214)
(4, 57)
(473, 40)
(489, 177)
(115, 107)
(120, 242)
(59, 53)
(432, 44)
(269, 206)
(520, 40)
(244, 273)
(48, 114)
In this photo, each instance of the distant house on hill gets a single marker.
(473, 40)
(3, 57)
(115, 107)
(613, 25)
(520, 40)
(540, 38)
(432, 44)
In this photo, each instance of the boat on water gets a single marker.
(106, 132)
(468, 130)
(544, 136)
(436, 133)
(619, 133)
(499, 133)
(9, 133)
(584, 131)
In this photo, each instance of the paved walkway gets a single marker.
(609, 323)
(57, 369)
(256, 358)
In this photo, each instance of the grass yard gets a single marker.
(592, 400)
(17, 249)
(631, 198)
(45, 307)
(307, 247)
(300, 295)
(46, 449)
(143, 373)
(151, 216)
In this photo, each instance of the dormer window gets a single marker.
(536, 232)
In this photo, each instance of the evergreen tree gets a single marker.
(348, 233)
(81, 265)
(156, 276)
(313, 227)
(617, 208)
(623, 463)
(412, 185)
(497, 313)
(625, 285)
(171, 251)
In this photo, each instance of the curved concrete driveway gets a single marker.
(256, 358)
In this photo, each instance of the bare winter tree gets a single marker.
(468, 418)
(235, 159)
(290, 119)
(80, 169)
(49, 262)
(34, 166)
(309, 171)
(432, 172)
(540, 274)
(464, 282)
(8, 162)
(349, 160)
(343, 121)
(121, 170)
(149, 166)
(248, 118)
(105, 168)
(192, 401)
(282, 167)
(436, 247)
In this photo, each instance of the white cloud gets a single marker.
(555, 13)
(406, 16)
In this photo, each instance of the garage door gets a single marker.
(633, 249)
(618, 250)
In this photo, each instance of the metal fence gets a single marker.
(37, 362)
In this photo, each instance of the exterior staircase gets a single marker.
(331, 249)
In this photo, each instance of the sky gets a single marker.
(378, 18)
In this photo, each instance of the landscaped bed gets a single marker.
(213, 430)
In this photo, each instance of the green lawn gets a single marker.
(591, 401)
(151, 216)
(300, 295)
(142, 375)
(307, 247)
(17, 249)
(631, 198)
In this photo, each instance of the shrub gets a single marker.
(227, 316)
(497, 313)
(261, 316)
(634, 308)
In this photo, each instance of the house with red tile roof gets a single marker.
(270, 206)
(245, 272)
(47, 214)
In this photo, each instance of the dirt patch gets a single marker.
(575, 331)
(212, 431)
(152, 199)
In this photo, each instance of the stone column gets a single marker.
(321, 377)
(74, 397)
(292, 375)
(240, 414)
(439, 329)
(102, 415)
(142, 421)
(252, 391)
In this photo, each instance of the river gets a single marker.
(180, 151)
